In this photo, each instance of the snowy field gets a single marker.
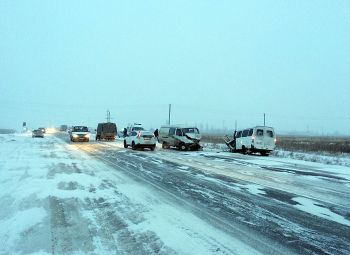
(341, 159)
(59, 197)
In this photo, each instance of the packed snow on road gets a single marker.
(59, 197)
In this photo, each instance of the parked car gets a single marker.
(106, 131)
(80, 133)
(179, 136)
(37, 133)
(140, 139)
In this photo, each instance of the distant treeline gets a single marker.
(7, 131)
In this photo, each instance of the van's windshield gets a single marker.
(190, 130)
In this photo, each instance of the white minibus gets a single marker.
(260, 139)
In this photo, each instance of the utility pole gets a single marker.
(264, 119)
(108, 116)
(169, 113)
(235, 125)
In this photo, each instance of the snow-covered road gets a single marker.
(59, 197)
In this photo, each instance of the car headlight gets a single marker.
(74, 135)
(87, 135)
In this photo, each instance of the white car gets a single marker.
(80, 133)
(140, 139)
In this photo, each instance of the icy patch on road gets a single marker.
(313, 207)
(255, 189)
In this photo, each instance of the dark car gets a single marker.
(106, 131)
(37, 133)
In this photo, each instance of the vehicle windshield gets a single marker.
(138, 128)
(80, 129)
(190, 130)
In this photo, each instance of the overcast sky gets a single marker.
(216, 62)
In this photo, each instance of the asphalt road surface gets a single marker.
(253, 198)
(59, 197)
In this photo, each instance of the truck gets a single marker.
(106, 131)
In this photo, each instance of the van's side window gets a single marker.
(171, 131)
(250, 133)
(269, 133)
(245, 133)
(239, 134)
(259, 132)
(178, 132)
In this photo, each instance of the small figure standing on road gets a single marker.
(156, 134)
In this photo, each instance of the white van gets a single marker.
(257, 139)
(179, 136)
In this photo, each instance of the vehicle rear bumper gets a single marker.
(150, 145)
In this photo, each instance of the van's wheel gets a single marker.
(164, 145)
(182, 147)
(244, 150)
(264, 153)
(133, 146)
(153, 147)
(125, 145)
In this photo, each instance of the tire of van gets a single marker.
(125, 145)
(152, 148)
(182, 147)
(133, 146)
(165, 145)
(244, 150)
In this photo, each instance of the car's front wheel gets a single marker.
(125, 145)
(133, 146)
(153, 147)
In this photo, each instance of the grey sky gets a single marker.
(66, 62)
